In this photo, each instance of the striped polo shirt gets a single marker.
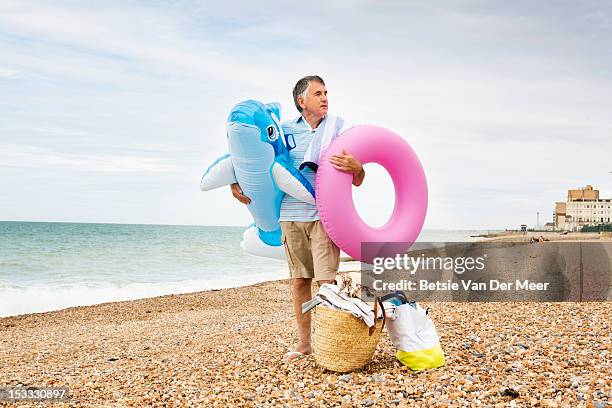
(291, 208)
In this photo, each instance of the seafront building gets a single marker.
(583, 207)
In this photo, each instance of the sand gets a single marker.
(223, 348)
(519, 236)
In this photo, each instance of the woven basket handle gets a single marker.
(378, 302)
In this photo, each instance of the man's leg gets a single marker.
(323, 282)
(310, 253)
(300, 293)
(299, 259)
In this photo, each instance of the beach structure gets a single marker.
(583, 207)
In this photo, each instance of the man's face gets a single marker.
(315, 102)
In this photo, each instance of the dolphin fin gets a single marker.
(218, 174)
(275, 107)
(292, 182)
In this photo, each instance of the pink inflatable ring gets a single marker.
(372, 144)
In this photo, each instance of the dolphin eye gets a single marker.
(271, 133)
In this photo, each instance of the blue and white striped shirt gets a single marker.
(291, 208)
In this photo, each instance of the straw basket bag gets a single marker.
(342, 342)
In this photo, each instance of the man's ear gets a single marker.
(301, 102)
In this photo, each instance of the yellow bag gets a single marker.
(414, 334)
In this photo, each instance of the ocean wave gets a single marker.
(35, 299)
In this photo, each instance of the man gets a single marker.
(310, 252)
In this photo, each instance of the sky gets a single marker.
(111, 111)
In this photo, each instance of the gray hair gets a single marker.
(301, 88)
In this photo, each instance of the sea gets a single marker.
(48, 266)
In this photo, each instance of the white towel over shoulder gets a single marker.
(334, 125)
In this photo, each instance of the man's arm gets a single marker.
(347, 163)
(237, 192)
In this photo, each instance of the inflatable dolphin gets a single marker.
(259, 161)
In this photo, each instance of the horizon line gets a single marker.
(211, 225)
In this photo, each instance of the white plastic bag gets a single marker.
(414, 334)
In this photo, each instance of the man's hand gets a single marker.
(237, 192)
(347, 163)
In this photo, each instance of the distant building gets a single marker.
(583, 207)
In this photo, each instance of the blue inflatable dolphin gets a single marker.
(259, 161)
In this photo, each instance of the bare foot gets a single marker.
(300, 352)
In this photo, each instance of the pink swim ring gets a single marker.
(372, 144)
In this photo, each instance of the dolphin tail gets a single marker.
(292, 182)
(218, 174)
(253, 243)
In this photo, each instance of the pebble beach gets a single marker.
(224, 348)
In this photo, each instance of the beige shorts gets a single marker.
(310, 252)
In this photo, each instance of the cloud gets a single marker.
(14, 155)
(10, 74)
(120, 35)
(57, 131)
(504, 100)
